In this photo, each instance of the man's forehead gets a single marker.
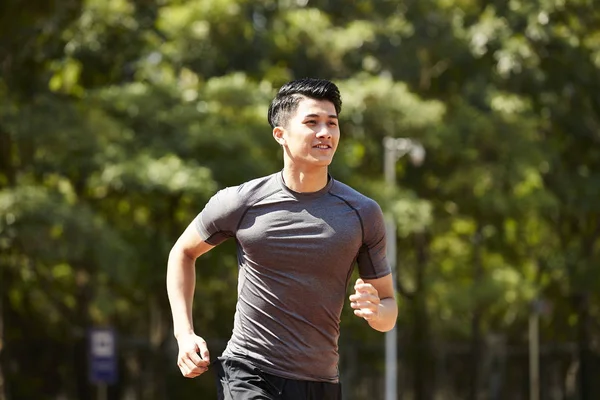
(315, 106)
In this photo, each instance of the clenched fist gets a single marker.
(193, 358)
(365, 301)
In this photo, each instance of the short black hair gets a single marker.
(289, 95)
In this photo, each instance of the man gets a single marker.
(299, 233)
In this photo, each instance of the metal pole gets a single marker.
(394, 148)
(391, 351)
(102, 391)
(391, 361)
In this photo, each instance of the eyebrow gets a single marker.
(318, 116)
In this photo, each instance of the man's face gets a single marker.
(311, 135)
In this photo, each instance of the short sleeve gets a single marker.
(372, 260)
(220, 217)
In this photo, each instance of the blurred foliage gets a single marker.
(120, 118)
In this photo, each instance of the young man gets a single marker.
(298, 234)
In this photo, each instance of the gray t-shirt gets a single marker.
(296, 252)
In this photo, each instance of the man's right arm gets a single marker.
(181, 282)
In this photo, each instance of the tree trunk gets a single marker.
(421, 335)
(158, 332)
(583, 340)
(476, 319)
(7, 169)
(85, 294)
(3, 389)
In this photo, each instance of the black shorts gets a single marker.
(238, 379)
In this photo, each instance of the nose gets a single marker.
(324, 132)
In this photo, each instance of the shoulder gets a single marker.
(355, 199)
(250, 192)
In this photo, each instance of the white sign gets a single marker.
(103, 344)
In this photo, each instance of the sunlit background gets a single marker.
(120, 118)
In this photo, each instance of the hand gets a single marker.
(365, 301)
(193, 358)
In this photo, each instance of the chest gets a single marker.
(309, 236)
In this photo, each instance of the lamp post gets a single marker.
(394, 149)
(539, 308)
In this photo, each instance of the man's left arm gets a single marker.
(374, 300)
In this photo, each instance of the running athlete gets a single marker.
(299, 233)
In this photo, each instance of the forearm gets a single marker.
(181, 282)
(387, 315)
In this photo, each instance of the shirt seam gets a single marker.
(252, 205)
(362, 228)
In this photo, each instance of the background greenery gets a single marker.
(119, 118)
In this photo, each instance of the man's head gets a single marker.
(304, 117)
(286, 102)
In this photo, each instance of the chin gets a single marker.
(322, 163)
(314, 162)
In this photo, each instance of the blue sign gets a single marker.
(102, 356)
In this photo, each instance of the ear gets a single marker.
(278, 135)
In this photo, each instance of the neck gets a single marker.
(305, 181)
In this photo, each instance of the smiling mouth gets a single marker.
(322, 147)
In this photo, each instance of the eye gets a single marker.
(332, 123)
(311, 122)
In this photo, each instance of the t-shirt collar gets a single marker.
(305, 195)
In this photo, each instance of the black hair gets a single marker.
(289, 96)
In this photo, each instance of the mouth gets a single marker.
(322, 147)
